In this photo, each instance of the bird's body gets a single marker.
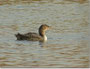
(34, 36)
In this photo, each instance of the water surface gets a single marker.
(67, 40)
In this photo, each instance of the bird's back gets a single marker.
(29, 36)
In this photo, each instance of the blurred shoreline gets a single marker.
(10, 2)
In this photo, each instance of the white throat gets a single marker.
(45, 38)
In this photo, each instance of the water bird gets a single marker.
(34, 36)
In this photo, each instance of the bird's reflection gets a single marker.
(42, 44)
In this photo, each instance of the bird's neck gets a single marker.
(42, 34)
(45, 38)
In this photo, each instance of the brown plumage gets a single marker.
(34, 36)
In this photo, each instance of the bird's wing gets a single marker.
(33, 36)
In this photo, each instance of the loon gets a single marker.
(34, 36)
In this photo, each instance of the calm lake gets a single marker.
(67, 44)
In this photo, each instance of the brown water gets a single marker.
(67, 44)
